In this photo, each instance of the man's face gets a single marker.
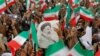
(47, 30)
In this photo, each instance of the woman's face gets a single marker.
(47, 30)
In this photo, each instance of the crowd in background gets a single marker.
(17, 19)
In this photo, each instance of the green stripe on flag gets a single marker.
(27, 4)
(82, 51)
(34, 34)
(76, 1)
(86, 11)
(2, 2)
(36, 0)
(97, 0)
(68, 14)
(77, 9)
(55, 9)
(24, 34)
(54, 48)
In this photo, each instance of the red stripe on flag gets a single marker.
(2, 10)
(86, 18)
(11, 3)
(70, 2)
(50, 18)
(98, 53)
(44, 7)
(13, 45)
(73, 21)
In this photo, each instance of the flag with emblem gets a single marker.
(18, 41)
(78, 50)
(51, 13)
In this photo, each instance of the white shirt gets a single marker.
(6, 54)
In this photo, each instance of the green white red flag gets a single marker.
(18, 41)
(86, 14)
(75, 16)
(3, 5)
(57, 49)
(74, 3)
(10, 2)
(78, 50)
(51, 14)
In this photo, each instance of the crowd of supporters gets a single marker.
(17, 18)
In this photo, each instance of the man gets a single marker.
(47, 36)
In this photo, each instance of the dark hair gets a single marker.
(44, 25)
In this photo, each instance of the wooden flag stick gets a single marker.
(7, 7)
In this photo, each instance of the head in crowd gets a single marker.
(46, 28)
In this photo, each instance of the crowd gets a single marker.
(18, 18)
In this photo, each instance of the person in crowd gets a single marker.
(17, 19)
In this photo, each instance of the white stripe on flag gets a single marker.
(50, 14)
(2, 6)
(62, 52)
(73, 52)
(19, 39)
(87, 15)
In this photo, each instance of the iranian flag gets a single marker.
(75, 17)
(2, 6)
(33, 33)
(51, 13)
(97, 53)
(43, 6)
(10, 2)
(57, 49)
(78, 50)
(74, 3)
(86, 14)
(28, 2)
(68, 14)
(18, 41)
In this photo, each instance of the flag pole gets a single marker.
(7, 7)
(34, 44)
